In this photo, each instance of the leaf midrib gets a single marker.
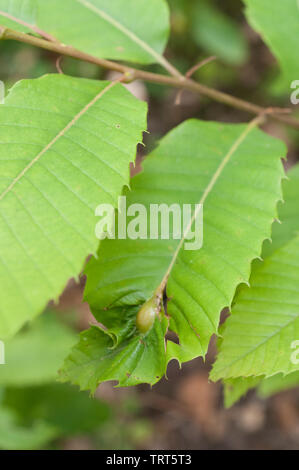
(268, 338)
(131, 35)
(256, 347)
(252, 124)
(17, 20)
(56, 138)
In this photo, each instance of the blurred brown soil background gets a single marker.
(184, 411)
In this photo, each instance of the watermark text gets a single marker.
(295, 94)
(2, 353)
(156, 221)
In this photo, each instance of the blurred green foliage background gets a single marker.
(38, 412)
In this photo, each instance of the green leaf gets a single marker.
(14, 436)
(131, 30)
(20, 15)
(236, 171)
(257, 338)
(66, 145)
(264, 321)
(234, 389)
(137, 359)
(218, 34)
(61, 406)
(34, 356)
(288, 214)
(278, 383)
(278, 23)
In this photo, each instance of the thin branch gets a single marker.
(198, 66)
(160, 59)
(58, 65)
(191, 71)
(33, 27)
(58, 136)
(133, 74)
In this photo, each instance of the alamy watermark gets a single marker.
(2, 353)
(295, 95)
(295, 354)
(2, 92)
(158, 221)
